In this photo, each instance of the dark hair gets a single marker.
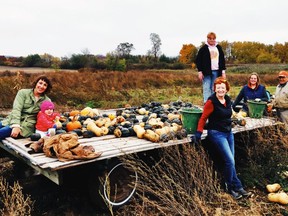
(45, 79)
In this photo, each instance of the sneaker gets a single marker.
(235, 195)
(244, 193)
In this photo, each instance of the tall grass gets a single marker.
(13, 201)
(103, 89)
(184, 180)
(180, 182)
(263, 156)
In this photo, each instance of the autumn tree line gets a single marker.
(122, 60)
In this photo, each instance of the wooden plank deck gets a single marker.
(109, 145)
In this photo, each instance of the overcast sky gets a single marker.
(65, 27)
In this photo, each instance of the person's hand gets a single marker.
(200, 75)
(15, 132)
(197, 137)
(269, 107)
(223, 75)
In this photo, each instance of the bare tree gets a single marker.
(156, 43)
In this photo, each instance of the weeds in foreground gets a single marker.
(14, 202)
(182, 180)
(263, 156)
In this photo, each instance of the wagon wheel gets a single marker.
(115, 186)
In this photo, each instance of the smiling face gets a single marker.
(253, 80)
(220, 90)
(282, 79)
(40, 87)
(49, 112)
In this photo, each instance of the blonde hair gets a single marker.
(211, 34)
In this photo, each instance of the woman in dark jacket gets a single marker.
(218, 111)
(251, 91)
(210, 63)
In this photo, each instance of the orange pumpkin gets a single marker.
(74, 124)
(74, 112)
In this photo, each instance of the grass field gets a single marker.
(110, 89)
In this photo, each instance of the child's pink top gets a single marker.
(44, 121)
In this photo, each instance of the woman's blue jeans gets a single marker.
(208, 82)
(224, 142)
(5, 131)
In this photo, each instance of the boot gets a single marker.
(244, 192)
(235, 195)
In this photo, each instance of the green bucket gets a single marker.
(256, 108)
(190, 118)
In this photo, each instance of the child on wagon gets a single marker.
(46, 118)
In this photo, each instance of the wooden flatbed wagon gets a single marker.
(111, 148)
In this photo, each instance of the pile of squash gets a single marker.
(153, 121)
(276, 194)
(238, 118)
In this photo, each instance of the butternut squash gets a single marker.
(139, 131)
(96, 130)
(105, 130)
(153, 115)
(156, 122)
(165, 106)
(175, 127)
(151, 136)
(87, 111)
(101, 121)
(164, 130)
(242, 114)
(142, 111)
(87, 121)
(272, 188)
(110, 122)
(95, 111)
(142, 124)
(58, 123)
(172, 116)
(281, 198)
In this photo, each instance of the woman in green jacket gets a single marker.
(22, 119)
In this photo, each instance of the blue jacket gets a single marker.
(248, 93)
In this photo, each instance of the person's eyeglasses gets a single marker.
(211, 38)
(281, 77)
